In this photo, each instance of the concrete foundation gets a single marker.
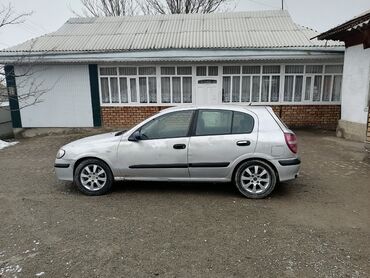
(352, 131)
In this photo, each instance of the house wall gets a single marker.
(6, 129)
(67, 98)
(355, 93)
(355, 87)
(295, 116)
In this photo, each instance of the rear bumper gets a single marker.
(288, 168)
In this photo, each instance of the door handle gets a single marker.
(243, 143)
(179, 146)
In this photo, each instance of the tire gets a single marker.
(252, 185)
(93, 177)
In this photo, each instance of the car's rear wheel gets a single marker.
(93, 177)
(255, 179)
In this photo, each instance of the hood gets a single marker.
(93, 140)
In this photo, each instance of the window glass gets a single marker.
(337, 87)
(231, 70)
(202, 71)
(226, 88)
(251, 70)
(246, 88)
(133, 89)
(143, 90)
(327, 88)
(165, 90)
(307, 94)
(168, 70)
(294, 69)
(104, 90)
(172, 125)
(271, 69)
(298, 88)
(187, 89)
(128, 71)
(275, 88)
(334, 69)
(123, 89)
(288, 88)
(147, 71)
(242, 123)
(317, 88)
(176, 90)
(214, 122)
(213, 71)
(108, 71)
(114, 90)
(236, 89)
(256, 89)
(152, 89)
(265, 88)
(314, 69)
(184, 71)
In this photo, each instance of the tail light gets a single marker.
(291, 141)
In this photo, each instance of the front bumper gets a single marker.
(64, 169)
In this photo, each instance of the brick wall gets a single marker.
(320, 116)
(127, 116)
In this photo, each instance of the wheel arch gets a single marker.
(259, 159)
(80, 160)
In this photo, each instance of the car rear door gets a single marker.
(219, 138)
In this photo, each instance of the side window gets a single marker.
(242, 123)
(172, 125)
(214, 122)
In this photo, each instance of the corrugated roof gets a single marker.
(361, 21)
(261, 29)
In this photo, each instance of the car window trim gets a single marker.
(194, 128)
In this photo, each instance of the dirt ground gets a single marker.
(315, 226)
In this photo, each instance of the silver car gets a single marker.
(246, 145)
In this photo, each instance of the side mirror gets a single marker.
(136, 136)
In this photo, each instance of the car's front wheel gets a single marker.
(255, 179)
(93, 177)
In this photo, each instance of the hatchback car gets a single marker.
(248, 146)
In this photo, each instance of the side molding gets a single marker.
(94, 90)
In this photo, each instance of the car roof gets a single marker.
(233, 107)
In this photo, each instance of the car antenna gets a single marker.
(250, 104)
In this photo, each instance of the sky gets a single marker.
(49, 15)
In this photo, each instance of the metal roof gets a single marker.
(241, 30)
(359, 22)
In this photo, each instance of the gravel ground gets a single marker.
(316, 226)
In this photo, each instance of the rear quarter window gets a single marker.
(242, 123)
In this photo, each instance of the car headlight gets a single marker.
(61, 153)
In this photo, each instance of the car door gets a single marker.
(219, 138)
(161, 152)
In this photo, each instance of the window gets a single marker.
(128, 85)
(251, 84)
(293, 86)
(212, 71)
(178, 88)
(171, 125)
(214, 122)
(242, 123)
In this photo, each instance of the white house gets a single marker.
(355, 119)
(115, 71)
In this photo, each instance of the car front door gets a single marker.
(161, 149)
(219, 138)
